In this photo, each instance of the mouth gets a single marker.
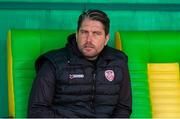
(88, 49)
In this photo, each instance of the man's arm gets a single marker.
(124, 106)
(42, 93)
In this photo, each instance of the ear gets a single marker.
(107, 39)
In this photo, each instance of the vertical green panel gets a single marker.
(25, 48)
(27, 45)
(135, 45)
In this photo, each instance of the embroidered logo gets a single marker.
(72, 76)
(109, 74)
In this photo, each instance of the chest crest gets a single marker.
(109, 74)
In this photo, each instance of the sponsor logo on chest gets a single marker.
(72, 76)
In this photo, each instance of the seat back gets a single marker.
(143, 47)
(24, 46)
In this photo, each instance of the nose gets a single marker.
(89, 37)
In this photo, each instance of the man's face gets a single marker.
(91, 38)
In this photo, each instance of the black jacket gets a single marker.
(68, 85)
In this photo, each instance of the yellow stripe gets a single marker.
(164, 89)
(118, 43)
(10, 78)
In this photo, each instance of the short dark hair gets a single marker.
(97, 15)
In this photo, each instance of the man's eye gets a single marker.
(97, 33)
(83, 32)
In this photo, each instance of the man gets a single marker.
(84, 79)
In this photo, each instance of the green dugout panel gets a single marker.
(63, 14)
(143, 47)
(24, 46)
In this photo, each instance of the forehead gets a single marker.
(86, 23)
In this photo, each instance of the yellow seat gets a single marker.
(164, 86)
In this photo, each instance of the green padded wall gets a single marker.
(141, 15)
(170, 46)
(26, 46)
(152, 46)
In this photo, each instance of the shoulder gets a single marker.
(117, 54)
(52, 56)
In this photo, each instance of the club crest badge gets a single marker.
(109, 74)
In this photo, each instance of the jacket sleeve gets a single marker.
(42, 93)
(124, 106)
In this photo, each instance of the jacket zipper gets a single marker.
(93, 91)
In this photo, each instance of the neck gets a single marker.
(91, 58)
